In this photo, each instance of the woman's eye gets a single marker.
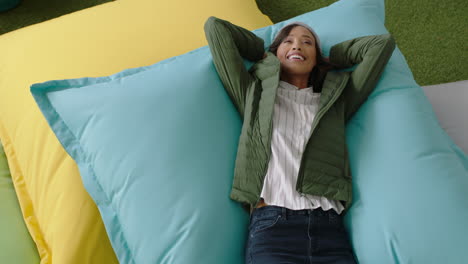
(287, 41)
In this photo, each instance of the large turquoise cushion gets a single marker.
(156, 148)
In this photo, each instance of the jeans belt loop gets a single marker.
(284, 213)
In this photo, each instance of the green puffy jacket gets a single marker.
(324, 168)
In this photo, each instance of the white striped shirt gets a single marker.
(294, 112)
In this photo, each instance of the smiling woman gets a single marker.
(298, 39)
(289, 91)
(297, 55)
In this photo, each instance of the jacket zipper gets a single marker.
(269, 152)
(264, 171)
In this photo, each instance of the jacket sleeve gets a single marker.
(372, 53)
(229, 44)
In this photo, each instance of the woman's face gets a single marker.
(297, 52)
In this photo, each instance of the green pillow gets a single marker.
(280, 10)
(16, 245)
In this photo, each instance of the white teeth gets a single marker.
(296, 57)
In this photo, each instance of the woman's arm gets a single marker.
(229, 44)
(372, 53)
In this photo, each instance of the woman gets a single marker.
(292, 166)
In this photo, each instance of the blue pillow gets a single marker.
(156, 147)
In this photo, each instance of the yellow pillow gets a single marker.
(61, 217)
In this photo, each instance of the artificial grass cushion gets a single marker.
(60, 215)
(280, 10)
(16, 245)
(147, 144)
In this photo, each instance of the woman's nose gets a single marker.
(296, 48)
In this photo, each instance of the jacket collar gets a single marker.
(267, 71)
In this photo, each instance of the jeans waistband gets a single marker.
(286, 211)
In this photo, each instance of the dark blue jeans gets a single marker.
(280, 235)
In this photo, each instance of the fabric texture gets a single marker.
(161, 178)
(281, 235)
(61, 217)
(16, 245)
(293, 115)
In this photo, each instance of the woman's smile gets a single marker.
(296, 56)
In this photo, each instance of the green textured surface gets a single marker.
(279, 10)
(16, 245)
(431, 34)
(30, 12)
